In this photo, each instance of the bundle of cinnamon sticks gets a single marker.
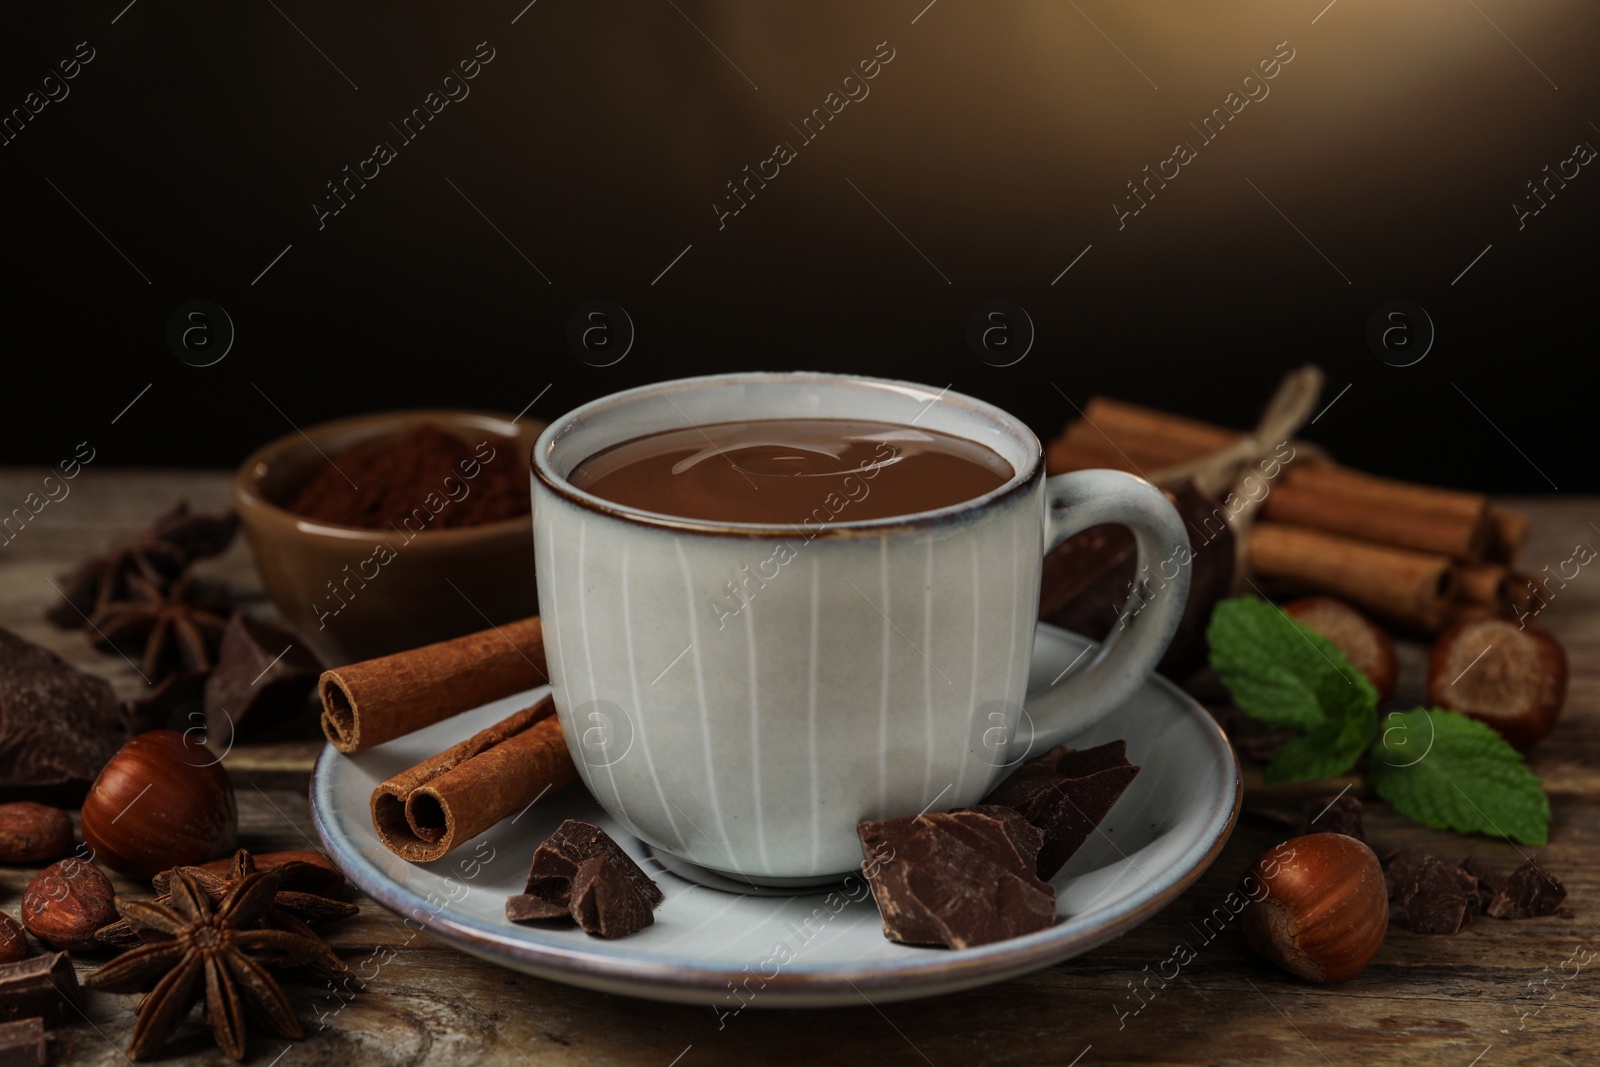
(446, 800)
(1419, 556)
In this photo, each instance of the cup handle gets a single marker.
(1074, 502)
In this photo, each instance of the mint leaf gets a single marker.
(1282, 672)
(1327, 751)
(1450, 772)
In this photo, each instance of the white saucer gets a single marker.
(713, 947)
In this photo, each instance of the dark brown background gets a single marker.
(996, 141)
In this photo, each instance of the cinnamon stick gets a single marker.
(1339, 500)
(1061, 455)
(427, 810)
(1147, 434)
(1508, 530)
(1488, 584)
(367, 703)
(1413, 589)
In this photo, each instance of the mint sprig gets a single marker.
(1434, 766)
(1450, 772)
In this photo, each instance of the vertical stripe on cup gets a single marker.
(883, 662)
(588, 656)
(700, 695)
(755, 735)
(811, 722)
(638, 714)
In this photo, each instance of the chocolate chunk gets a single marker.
(170, 703)
(58, 726)
(553, 890)
(606, 901)
(22, 1043)
(45, 986)
(1066, 793)
(1529, 892)
(1437, 898)
(574, 841)
(1335, 815)
(960, 879)
(263, 675)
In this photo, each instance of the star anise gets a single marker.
(179, 627)
(292, 910)
(160, 554)
(219, 949)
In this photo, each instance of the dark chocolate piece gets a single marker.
(263, 675)
(44, 985)
(1438, 898)
(169, 704)
(22, 1043)
(553, 892)
(605, 901)
(1066, 793)
(1529, 892)
(1330, 815)
(960, 879)
(57, 724)
(575, 841)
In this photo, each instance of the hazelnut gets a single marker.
(66, 903)
(1324, 909)
(162, 801)
(33, 833)
(1352, 633)
(13, 941)
(1513, 678)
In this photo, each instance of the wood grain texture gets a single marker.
(1498, 991)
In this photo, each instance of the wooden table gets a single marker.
(1496, 994)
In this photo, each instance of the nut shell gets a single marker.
(161, 802)
(1321, 907)
(66, 903)
(1512, 678)
(33, 833)
(13, 941)
(1352, 633)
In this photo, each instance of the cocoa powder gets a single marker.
(427, 475)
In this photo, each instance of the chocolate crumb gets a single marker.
(1066, 793)
(1529, 892)
(959, 879)
(1335, 815)
(1438, 898)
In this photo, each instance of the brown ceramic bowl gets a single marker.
(438, 584)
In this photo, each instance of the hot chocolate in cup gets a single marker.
(740, 694)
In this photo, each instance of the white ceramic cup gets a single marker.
(741, 695)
